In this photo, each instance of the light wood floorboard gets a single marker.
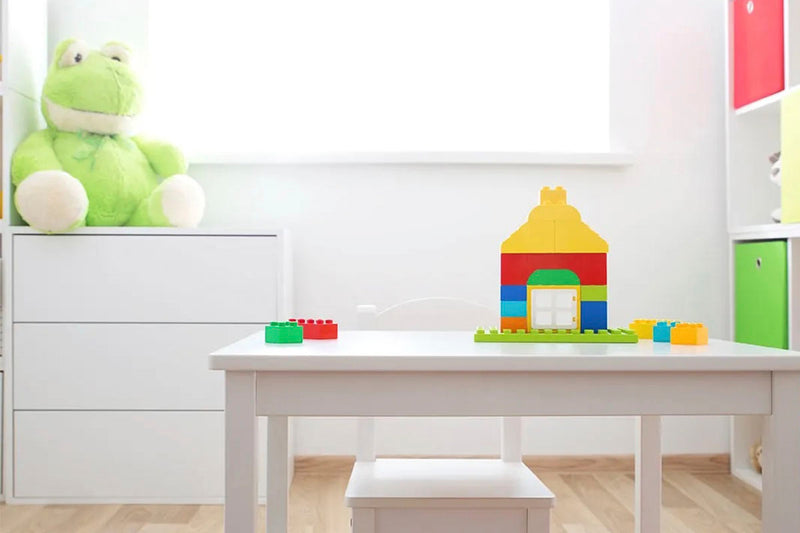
(587, 502)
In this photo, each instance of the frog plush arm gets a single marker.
(165, 158)
(178, 201)
(46, 197)
(33, 154)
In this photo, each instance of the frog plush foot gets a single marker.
(52, 201)
(178, 201)
(182, 200)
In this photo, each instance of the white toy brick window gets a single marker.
(554, 308)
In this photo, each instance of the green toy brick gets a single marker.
(559, 276)
(594, 293)
(283, 333)
(616, 336)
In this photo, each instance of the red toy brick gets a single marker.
(318, 329)
(516, 268)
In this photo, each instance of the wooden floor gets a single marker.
(587, 502)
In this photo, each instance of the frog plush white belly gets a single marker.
(85, 168)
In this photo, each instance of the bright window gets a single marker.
(357, 76)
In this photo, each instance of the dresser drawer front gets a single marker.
(155, 457)
(118, 455)
(145, 278)
(120, 366)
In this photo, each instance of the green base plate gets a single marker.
(557, 335)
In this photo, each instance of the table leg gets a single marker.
(277, 474)
(365, 450)
(511, 439)
(648, 474)
(538, 522)
(363, 520)
(241, 438)
(781, 459)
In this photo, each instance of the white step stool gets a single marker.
(447, 496)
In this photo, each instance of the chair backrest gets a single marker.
(434, 313)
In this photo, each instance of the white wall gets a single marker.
(384, 234)
(98, 22)
(381, 235)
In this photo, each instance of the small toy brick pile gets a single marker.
(671, 331)
(295, 330)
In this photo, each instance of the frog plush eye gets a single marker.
(117, 52)
(75, 53)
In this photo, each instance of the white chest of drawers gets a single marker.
(101, 325)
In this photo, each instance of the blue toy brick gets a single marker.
(662, 331)
(513, 293)
(594, 315)
(513, 309)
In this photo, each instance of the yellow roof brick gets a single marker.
(554, 227)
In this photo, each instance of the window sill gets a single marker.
(601, 159)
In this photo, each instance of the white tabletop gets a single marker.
(437, 351)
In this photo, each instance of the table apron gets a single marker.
(513, 393)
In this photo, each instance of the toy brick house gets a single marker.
(553, 270)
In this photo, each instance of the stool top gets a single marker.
(471, 483)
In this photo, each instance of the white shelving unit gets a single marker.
(768, 104)
(753, 133)
(763, 232)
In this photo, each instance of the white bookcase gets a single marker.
(753, 133)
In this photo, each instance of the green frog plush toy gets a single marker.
(86, 167)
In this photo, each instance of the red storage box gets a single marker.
(758, 68)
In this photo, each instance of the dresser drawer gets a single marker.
(120, 366)
(145, 278)
(121, 455)
(156, 457)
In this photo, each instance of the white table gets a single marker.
(381, 373)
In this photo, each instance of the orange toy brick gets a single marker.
(317, 329)
(687, 333)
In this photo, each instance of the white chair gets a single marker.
(434, 314)
(443, 495)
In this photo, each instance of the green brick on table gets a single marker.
(615, 336)
(283, 333)
(594, 293)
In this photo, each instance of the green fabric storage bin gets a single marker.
(761, 294)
